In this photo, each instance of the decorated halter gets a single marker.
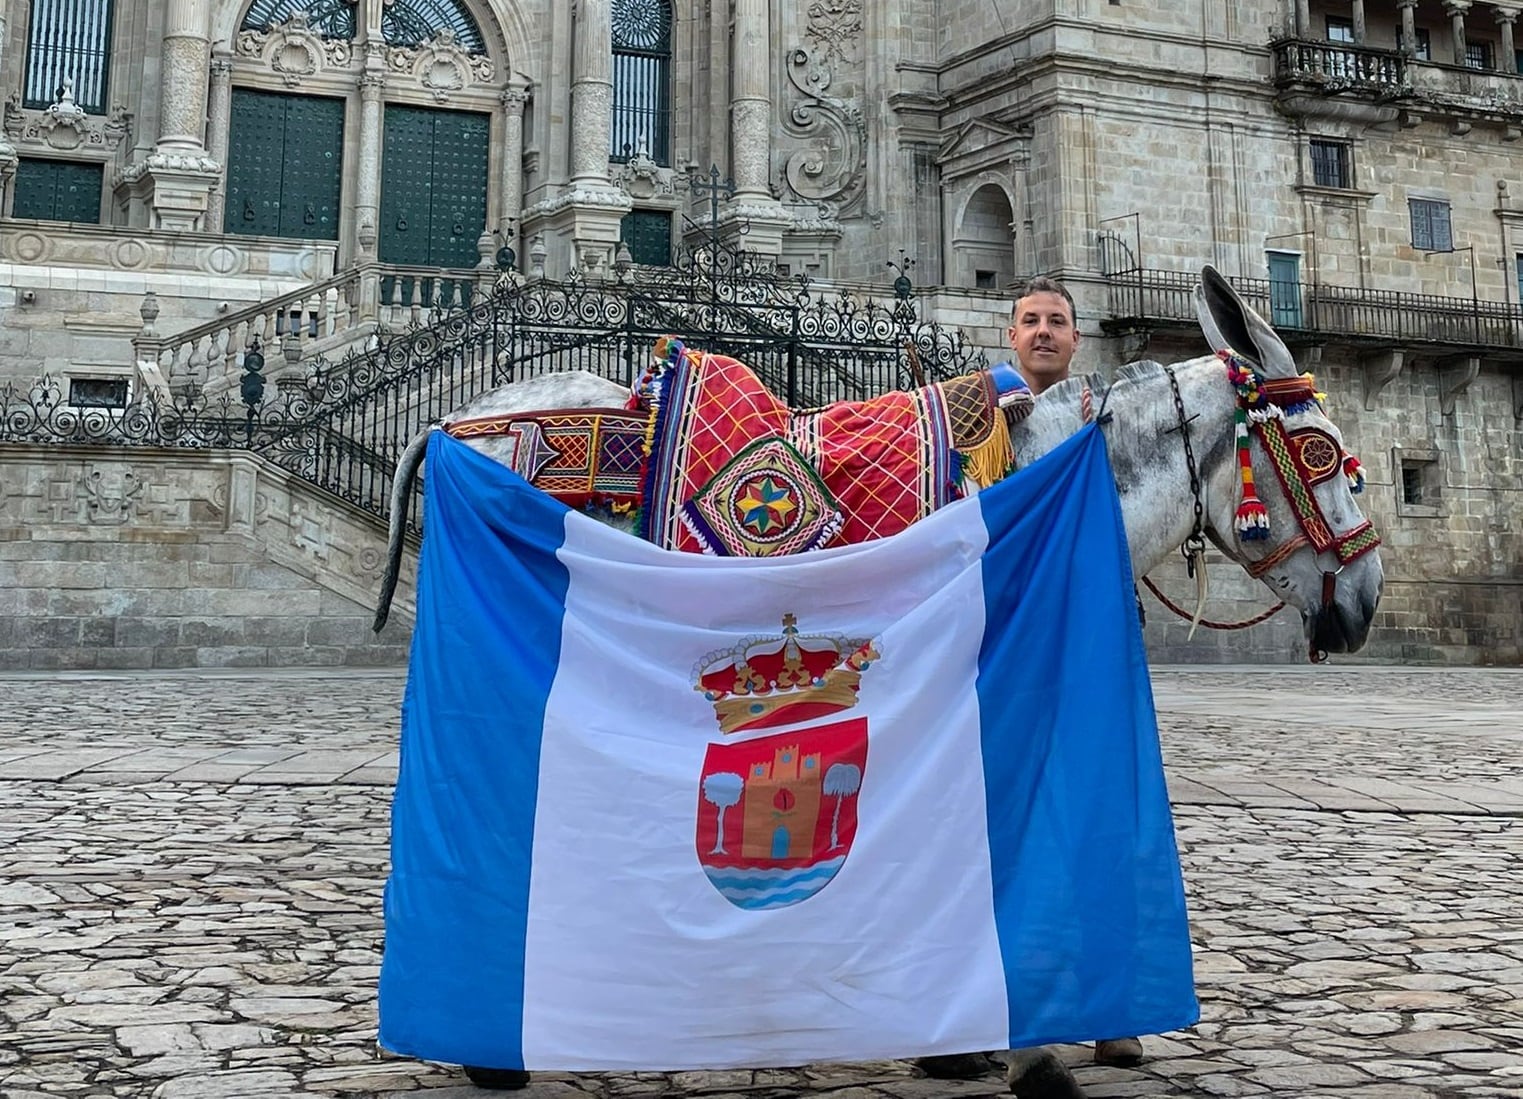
(1303, 458)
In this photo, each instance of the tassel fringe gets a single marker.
(988, 464)
(1252, 520)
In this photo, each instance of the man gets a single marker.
(1044, 336)
(1042, 333)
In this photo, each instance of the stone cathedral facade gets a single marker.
(1354, 165)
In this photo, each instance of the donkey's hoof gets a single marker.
(1038, 1074)
(956, 1066)
(1119, 1052)
(497, 1079)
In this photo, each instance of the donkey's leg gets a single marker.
(1037, 1073)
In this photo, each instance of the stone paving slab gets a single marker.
(174, 927)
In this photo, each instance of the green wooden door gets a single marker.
(285, 156)
(433, 187)
(57, 190)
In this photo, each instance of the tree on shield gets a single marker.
(722, 789)
(841, 781)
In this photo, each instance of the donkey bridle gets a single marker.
(1274, 397)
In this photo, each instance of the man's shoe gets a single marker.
(1119, 1052)
(497, 1079)
(956, 1066)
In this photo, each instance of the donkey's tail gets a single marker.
(401, 498)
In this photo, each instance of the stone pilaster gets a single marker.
(582, 222)
(178, 178)
(753, 206)
(218, 123)
(1506, 17)
(1456, 10)
(367, 191)
(8, 157)
(1358, 21)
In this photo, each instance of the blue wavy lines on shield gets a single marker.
(773, 888)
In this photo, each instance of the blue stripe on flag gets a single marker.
(1088, 899)
(473, 716)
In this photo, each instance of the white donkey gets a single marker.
(1145, 434)
(1149, 408)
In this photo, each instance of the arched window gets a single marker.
(329, 18)
(414, 22)
(642, 79)
(68, 41)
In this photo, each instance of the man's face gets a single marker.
(1044, 338)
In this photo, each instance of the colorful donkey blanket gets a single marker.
(714, 463)
(584, 457)
(733, 471)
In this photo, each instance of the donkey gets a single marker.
(1322, 563)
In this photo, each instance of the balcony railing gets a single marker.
(1149, 297)
(1335, 67)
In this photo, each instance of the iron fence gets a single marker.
(1140, 296)
(342, 426)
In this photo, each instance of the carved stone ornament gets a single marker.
(442, 66)
(641, 177)
(832, 164)
(834, 27)
(109, 499)
(64, 126)
(293, 50)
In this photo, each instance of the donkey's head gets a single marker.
(1316, 550)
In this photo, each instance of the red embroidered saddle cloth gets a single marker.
(734, 470)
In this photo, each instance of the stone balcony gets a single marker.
(1363, 84)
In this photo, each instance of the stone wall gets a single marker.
(117, 558)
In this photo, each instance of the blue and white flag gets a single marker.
(667, 811)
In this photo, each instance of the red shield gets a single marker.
(777, 815)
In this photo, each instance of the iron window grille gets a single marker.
(329, 18)
(642, 67)
(1478, 55)
(1330, 163)
(412, 23)
(1430, 225)
(68, 40)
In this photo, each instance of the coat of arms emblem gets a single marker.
(777, 814)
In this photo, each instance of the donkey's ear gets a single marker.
(1229, 323)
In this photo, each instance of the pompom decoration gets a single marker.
(1252, 520)
(1355, 474)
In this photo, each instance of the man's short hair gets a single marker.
(1043, 285)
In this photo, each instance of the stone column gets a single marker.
(1456, 10)
(1506, 17)
(1303, 19)
(367, 188)
(583, 220)
(751, 101)
(1358, 20)
(751, 131)
(218, 123)
(591, 92)
(1408, 26)
(511, 198)
(177, 179)
(182, 96)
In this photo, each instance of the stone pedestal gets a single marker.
(177, 180)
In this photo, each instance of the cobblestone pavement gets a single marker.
(191, 867)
